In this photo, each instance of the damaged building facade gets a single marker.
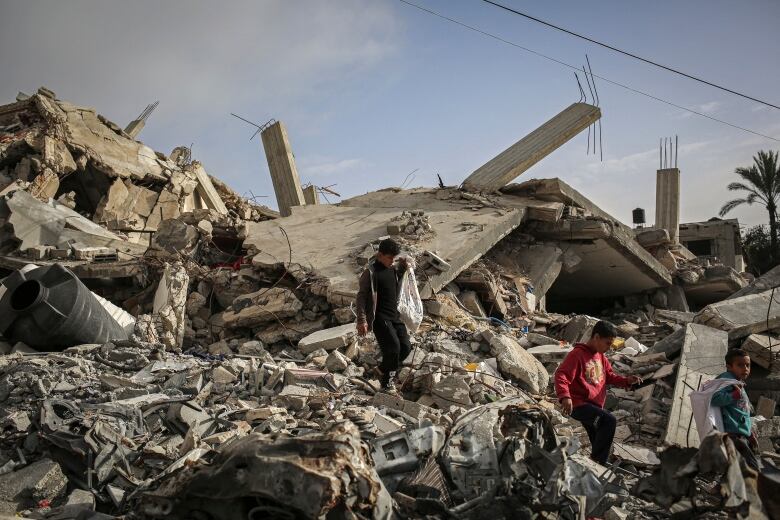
(222, 377)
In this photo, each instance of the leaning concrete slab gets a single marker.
(281, 164)
(765, 282)
(612, 261)
(740, 317)
(701, 360)
(509, 164)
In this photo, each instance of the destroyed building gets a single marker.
(222, 377)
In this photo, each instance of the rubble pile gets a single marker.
(172, 350)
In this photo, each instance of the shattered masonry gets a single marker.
(171, 350)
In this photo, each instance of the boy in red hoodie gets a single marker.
(581, 385)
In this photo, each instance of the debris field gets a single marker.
(172, 350)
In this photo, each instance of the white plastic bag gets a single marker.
(410, 306)
(709, 418)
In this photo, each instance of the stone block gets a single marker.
(328, 339)
(263, 306)
(24, 488)
(515, 362)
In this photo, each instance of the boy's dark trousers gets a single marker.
(600, 425)
(742, 444)
(394, 343)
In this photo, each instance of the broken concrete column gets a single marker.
(311, 195)
(667, 202)
(170, 304)
(509, 164)
(134, 127)
(281, 165)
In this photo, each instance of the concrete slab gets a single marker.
(33, 223)
(509, 164)
(750, 314)
(701, 360)
(323, 237)
(328, 339)
(765, 282)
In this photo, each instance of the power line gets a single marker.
(630, 55)
(616, 83)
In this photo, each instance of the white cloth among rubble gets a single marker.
(709, 418)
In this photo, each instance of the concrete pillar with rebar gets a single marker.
(281, 164)
(667, 202)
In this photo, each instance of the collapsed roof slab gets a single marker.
(325, 238)
(717, 284)
(701, 360)
(613, 262)
(740, 317)
(509, 164)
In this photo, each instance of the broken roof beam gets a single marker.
(205, 189)
(509, 164)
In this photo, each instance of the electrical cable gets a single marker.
(630, 55)
(612, 82)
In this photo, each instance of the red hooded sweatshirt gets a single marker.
(584, 375)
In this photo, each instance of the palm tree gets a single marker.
(763, 186)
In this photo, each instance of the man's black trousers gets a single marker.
(600, 425)
(394, 343)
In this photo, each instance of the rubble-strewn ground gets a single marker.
(231, 382)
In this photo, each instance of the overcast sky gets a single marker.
(372, 90)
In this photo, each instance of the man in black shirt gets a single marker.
(377, 309)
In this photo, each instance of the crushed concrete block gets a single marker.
(515, 362)
(336, 362)
(252, 348)
(578, 329)
(174, 236)
(451, 390)
(385, 424)
(169, 305)
(82, 499)
(24, 488)
(329, 339)
(221, 375)
(471, 301)
(263, 306)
